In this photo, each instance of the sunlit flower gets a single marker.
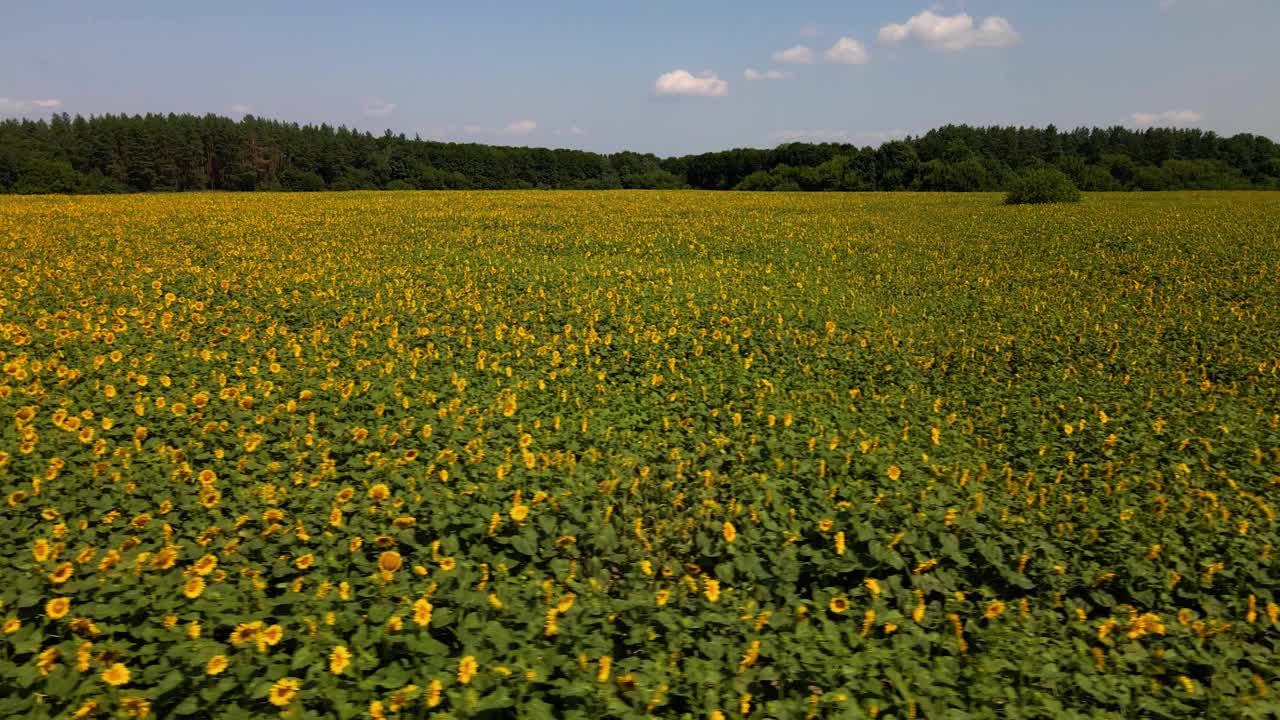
(61, 574)
(57, 608)
(467, 669)
(390, 561)
(116, 674)
(283, 691)
(205, 565)
(135, 706)
(47, 660)
(216, 665)
(422, 612)
(194, 587)
(711, 588)
(339, 659)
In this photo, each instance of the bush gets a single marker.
(653, 180)
(301, 181)
(1043, 185)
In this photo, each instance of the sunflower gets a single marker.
(729, 531)
(434, 689)
(47, 660)
(339, 659)
(467, 668)
(447, 564)
(839, 604)
(40, 550)
(712, 590)
(84, 655)
(422, 612)
(205, 565)
(283, 691)
(270, 636)
(165, 558)
(116, 675)
(519, 513)
(61, 574)
(84, 626)
(390, 561)
(872, 586)
(379, 492)
(135, 706)
(216, 664)
(245, 632)
(57, 608)
(995, 609)
(86, 709)
(194, 587)
(304, 562)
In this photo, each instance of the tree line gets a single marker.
(174, 153)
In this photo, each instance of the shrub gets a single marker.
(1042, 185)
(301, 181)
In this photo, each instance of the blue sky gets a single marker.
(655, 76)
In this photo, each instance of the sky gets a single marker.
(655, 75)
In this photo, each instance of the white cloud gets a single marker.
(955, 32)
(9, 106)
(517, 128)
(798, 55)
(847, 51)
(1169, 118)
(374, 106)
(572, 131)
(818, 135)
(682, 82)
(241, 109)
(810, 30)
(472, 129)
(753, 74)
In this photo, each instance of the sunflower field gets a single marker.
(624, 455)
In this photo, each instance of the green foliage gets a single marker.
(301, 180)
(653, 180)
(935, 458)
(1041, 186)
(164, 153)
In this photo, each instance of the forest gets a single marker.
(176, 153)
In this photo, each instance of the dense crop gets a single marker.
(609, 455)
